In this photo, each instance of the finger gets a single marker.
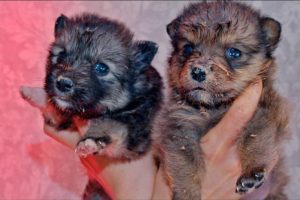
(81, 125)
(161, 188)
(35, 96)
(66, 137)
(237, 117)
(218, 186)
(219, 191)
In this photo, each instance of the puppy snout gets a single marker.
(64, 84)
(198, 74)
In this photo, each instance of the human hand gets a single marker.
(37, 97)
(119, 179)
(223, 165)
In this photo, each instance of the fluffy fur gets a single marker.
(96, 71)
(205, 79)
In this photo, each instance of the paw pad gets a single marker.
(247, 183)
(89, 146)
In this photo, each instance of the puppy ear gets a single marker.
(143, 54)
(60, 24)
(271, 30)
(172, 29)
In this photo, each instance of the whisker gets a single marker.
(222, 67)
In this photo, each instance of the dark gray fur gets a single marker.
(121, 105)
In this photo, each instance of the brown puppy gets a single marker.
(219, 49)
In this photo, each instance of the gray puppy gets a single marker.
(96, 71)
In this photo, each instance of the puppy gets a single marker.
(96, 71)
(220, 48)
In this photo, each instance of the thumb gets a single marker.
(35, 96)
(236, 118)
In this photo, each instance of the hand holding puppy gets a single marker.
(220, 155)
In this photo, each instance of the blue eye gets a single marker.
(101, 69)
(61, 57)
(187, 50)
(233, 53)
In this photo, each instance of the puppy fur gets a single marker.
(96, 71)
(220, 48)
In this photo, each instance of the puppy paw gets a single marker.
(251, 181)
(89, 146)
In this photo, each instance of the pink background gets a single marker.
(32, 166)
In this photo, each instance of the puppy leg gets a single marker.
(258, 152)
(183, 166)
(181, 152)
(103, 136)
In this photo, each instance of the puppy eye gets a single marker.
(233, 53)
(101, 69)
(187, 50)
(61, 56)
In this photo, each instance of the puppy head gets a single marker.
(93, 63)
(219, 49)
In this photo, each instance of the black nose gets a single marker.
(64, 84)
(198, 74)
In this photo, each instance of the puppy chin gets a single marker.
(200, 96)
(62, 104)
